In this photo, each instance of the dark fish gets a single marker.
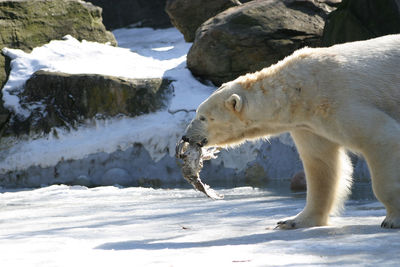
(193, 156)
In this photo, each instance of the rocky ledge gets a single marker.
(60, 99)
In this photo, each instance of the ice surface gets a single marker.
(111, 226)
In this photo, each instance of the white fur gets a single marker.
(330, 99)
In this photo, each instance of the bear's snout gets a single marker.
(195, 134)
(185, 139)
(202, 143)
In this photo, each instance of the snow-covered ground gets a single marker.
(111, 226)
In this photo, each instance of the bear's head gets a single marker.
(223, 119)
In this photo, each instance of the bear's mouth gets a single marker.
(201, 143)
(184, 143)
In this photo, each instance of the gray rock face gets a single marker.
(62, 99)
(188, 15)
(361, 20)
(26, 24)
(135, 167)
(253, 36)
(122, 13)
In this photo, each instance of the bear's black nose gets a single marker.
(203, 142)
(185, 139)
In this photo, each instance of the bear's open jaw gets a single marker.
(193, 156)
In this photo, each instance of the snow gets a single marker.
(111, 226)
(149, 53)
(158, 133)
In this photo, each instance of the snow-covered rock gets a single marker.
(57, 99)
(26, 24)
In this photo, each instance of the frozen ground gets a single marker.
(111, 226)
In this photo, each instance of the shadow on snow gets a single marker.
(321, 233)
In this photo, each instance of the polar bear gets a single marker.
(344, 97)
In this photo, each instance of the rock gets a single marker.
(355, 20)
(298, 182)
(61, 99)
(254, 35)
(4, 115)
(26, 24)
(123, 13)
(188, 15)
(255, 175)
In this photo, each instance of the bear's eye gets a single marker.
(202, 118)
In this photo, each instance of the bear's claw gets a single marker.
(385, 224)
(286, 225)
(389, 224)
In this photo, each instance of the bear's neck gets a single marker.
(287, 98)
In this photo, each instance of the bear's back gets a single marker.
(369, 72)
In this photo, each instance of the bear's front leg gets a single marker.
(328, 175)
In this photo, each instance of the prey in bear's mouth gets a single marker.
(193, 155)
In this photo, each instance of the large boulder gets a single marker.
(253, 36)
(188, 15)
(61, 99)
(123, 13)
(26, 24)
(355, 20)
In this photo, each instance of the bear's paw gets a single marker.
(391, 222)
(302, 220)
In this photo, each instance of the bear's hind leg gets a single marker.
(328, 174)
(384, 163)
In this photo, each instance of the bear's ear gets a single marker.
(234, 102)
